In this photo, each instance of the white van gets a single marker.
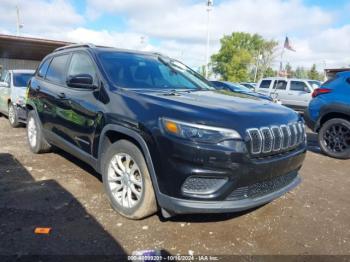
(292, 92)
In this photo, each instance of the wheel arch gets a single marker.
(112, 133)
(333, 111)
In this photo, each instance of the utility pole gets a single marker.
(257, 65)
(209, 7)
(18, 24)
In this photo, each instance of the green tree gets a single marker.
(300, 72)
(269, 72)
(313, 73)
(238, 55)
(289, 70)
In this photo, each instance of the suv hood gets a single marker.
(220, 108)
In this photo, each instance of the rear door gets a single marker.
(299, 94)
(47, 88)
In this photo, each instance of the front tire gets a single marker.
(127, 181)
(36, 141)
(13, 116)
(334, 138)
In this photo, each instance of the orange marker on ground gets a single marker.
(42, 230)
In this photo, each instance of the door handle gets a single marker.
(290, 94)
(61, 95)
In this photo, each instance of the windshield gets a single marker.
(239, 87)
(139, 71)
(316, 83)
(21, 79)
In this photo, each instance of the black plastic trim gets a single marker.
(183, 206)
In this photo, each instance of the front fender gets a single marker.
(136, 136)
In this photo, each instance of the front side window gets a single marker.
(57, 69)
(280, 85)
(298, 86)
(21, 79)
(81, 64)
(265, 84)
(149, 72)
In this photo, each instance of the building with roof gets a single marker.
(330, 73)
(24, 52)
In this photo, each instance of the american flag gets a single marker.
(287, 45)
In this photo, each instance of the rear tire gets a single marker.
(36, 141)
(334, 138)
(13, 116)
(127, 181)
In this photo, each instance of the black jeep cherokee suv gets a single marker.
(160, 135)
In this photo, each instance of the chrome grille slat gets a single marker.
(267, 140)
(278, 138)
(256, 140)
(294, 135)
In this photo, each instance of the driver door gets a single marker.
(299, 94)
(83, 115)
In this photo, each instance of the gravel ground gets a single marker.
(58, 191)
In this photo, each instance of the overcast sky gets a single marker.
(318, 30)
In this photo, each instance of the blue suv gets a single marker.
(328, 114)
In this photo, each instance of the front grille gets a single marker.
(275, 139)
(262, 188)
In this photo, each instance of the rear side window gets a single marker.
(280, 85)
(21, 80)
(298, 86)
(265, 84)
(57, 69)
(43, 68)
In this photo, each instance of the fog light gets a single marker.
(202, 185)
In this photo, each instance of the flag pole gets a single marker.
(281, 61)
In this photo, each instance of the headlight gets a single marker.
(198, 133)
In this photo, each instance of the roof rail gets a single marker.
(74, 46)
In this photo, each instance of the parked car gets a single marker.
(160, 135)
(292, 92)
(238, 88)
(328, 114)
(250, 85)
(12, 95)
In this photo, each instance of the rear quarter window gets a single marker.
(43, 68)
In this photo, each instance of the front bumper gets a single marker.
(184, 206)
(242, 176)
(21, 113)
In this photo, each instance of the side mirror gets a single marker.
(4, 84)
(307, 90)
(84, 81)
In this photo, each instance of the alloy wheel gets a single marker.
(125, 180)
(337, 138)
